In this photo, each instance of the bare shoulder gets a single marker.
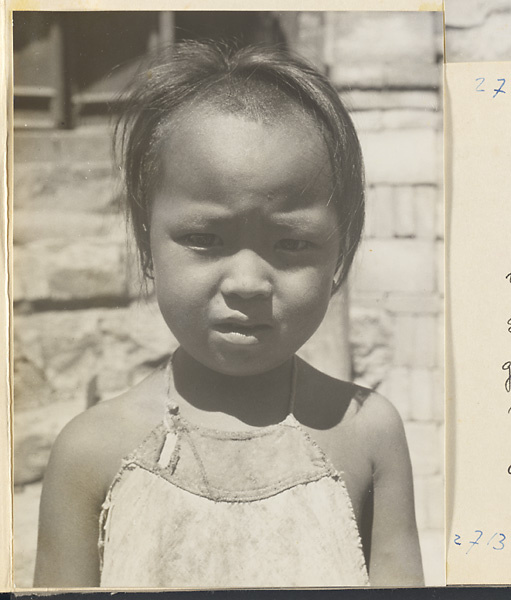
(84, 460)
(340, 400)
(92, 445)
(377, 413)
(348, 416)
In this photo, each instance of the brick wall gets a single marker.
(82, 333)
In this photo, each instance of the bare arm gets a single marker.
(73, 491)
(83, 463)
(395, 554)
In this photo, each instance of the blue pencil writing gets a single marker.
(499, 90)
(476, 541)
(500, 542)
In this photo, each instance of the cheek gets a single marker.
(172, 273)
(308, 296)
(174, 289)
(183, 291)
(180, 306)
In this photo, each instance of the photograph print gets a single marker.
(228, 299)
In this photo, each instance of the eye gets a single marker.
(294, 245)
(201, 240)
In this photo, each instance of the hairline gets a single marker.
(200, 107)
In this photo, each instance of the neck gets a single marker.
(257, 400)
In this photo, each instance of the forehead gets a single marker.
(217, 153)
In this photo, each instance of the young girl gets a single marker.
(236, 464)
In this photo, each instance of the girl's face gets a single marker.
(243, 238)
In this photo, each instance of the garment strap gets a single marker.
(292, 391)
(169, 380)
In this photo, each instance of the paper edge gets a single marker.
(5, 221)
(6, 520)
(453, 403)
(285, 5)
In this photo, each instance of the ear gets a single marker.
(338, 278)
(149, 272)
(147, 264)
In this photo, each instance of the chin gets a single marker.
(243, 364)
(245, 368)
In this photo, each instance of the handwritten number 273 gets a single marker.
(498, 545)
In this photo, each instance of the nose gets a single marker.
(247, 276)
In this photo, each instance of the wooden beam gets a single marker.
(62, 102)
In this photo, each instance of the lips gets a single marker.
(238, 332)
(241, 328)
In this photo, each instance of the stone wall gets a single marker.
(82, 333)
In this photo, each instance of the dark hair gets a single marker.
(257, 81)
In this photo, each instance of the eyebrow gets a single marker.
(295, 216)
(290, 214)
(206, 212)
(306, 227)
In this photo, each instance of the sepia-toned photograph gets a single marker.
(477, 30)
(228, 299)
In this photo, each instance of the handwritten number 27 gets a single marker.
(497, 90)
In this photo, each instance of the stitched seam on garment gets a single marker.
(241, 497)
(218, 494)
(127, 465)
(199, 461)
(147, 456)
(320, 461)
(318, 468)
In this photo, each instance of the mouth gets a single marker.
(242, 333)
